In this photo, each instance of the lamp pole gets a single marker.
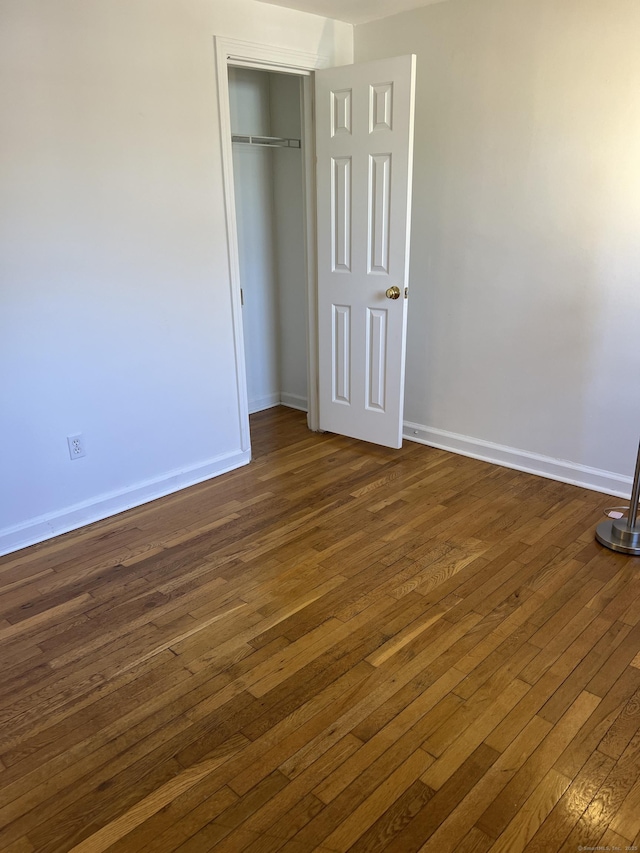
(623, 534)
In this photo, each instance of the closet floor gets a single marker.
(336, 648)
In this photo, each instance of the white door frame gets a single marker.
(268, 58)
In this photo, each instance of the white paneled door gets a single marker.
(364, 148)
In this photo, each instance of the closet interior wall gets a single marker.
(271, 237)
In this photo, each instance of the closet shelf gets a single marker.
(265, 141)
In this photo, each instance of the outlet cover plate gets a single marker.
(76, 446)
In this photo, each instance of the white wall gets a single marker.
(288, 205)
(268, 186)
(525, 296)
(249, 100)
(115, 316)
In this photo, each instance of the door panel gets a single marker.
(364, 147)
(341, 355)
(341, 214)
(376, 379)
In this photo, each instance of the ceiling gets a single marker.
(352, 11)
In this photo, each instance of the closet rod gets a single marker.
(266, 141)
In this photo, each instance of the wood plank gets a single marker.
(533, 813)
(623, 729)
(473, 735)
(571, 806)
(612, 841)
(414, 715)
(495, 818)
(274, 816)
(394, 820)
(384, 796)
(443, 802)
(150, 805)
(178, 821)
(626, 821)
(454, 828)
(596, 726)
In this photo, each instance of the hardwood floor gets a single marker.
(339, 647)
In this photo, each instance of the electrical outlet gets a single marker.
(76, 446)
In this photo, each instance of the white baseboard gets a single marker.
(48, 526)
(282, 398)
(521, 460)
(262, 403)
(293, 401)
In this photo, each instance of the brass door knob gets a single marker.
(393, 292)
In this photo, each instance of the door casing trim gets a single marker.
(269, 58)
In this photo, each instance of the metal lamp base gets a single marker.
(619, 537)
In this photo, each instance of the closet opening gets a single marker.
(266, 110)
